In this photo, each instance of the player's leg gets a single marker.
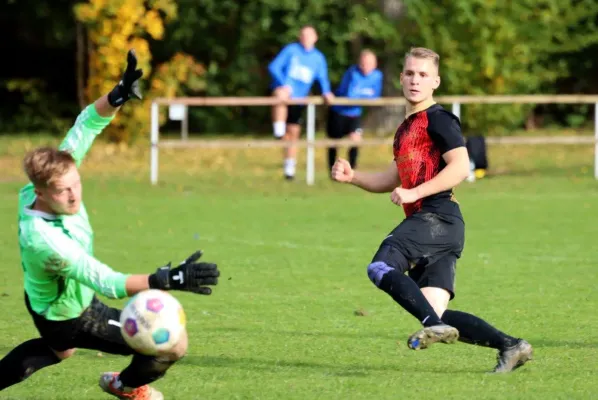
(293, 131)
(27, 358)
(399, 251)
(51, 348)
(279, 114)
(334, 130)
(100, 330)
(142, 371)
(355, 133)
(437, 283)
(512, 352)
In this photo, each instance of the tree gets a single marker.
(502, 47)
(114, 27)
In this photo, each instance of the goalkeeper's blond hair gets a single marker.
(46, 164)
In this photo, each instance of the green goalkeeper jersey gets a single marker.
(61, 273)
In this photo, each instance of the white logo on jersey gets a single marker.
(300, 72)
(366, 91)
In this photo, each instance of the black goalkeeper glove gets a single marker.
(188, 276)
(128, 86)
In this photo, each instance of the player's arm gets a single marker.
(322, 77)
(379, 83)
(445, 131)
(96, 116)
(374, 182)
(343, 88)
(276, 66)
(61, 255)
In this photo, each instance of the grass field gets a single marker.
(282, 322)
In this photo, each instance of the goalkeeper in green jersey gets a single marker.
(62, 277)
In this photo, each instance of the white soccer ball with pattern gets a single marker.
(152, 322)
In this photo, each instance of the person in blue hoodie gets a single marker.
(294, 70)
(360, 81)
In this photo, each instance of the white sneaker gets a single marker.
(289, 169)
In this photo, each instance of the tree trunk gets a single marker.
(383, 121)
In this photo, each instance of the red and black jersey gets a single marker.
(419, 143)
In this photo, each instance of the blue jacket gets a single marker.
(356, 85)
(299, 68)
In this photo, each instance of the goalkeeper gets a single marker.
(62, 276)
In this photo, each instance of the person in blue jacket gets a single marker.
(359, 81)
(294, 70)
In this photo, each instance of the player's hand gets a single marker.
(190, 276)
(342, 171)
(129, 84)
(329, 97)
(401, 196)
(283, 92)
(354, 136)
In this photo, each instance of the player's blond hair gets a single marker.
(423, 53)
(46, 164)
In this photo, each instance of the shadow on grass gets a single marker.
(344, 370)
(272, 365)
(541, 343)
(331, 335)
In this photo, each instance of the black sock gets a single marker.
(24, 360)
(476, 331)
(405, 291)
(353, 152)
(143, 370)
(331, 157)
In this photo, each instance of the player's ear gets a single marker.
(401, 78)
(436, 82)
(39, 193)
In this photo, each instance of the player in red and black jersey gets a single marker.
(430, 159)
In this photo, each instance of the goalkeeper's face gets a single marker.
(63, 194)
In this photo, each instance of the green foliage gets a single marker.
(503, 47)
(38, 109)
(237, 40)
(486, 47)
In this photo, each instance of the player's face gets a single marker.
(308, 38)
(367, 63)
(419, 79)
(63, 195)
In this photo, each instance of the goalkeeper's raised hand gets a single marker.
(129, 84)
(188, 276)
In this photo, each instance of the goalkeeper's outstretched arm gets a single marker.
(63, 256)
(95, 117)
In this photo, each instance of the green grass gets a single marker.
(282, 324)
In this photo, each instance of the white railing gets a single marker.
(178, 110)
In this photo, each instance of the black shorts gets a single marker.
(338, 126)
(431, 243)
(295, 114)
(98, 328)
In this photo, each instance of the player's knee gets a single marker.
(180, 350)
(63, 355)
(377, 270)
(392, 257)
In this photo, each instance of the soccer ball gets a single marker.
(152, 322)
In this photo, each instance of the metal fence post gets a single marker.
(311, 137)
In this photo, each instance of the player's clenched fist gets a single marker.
(342, 171)
(401, 196)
